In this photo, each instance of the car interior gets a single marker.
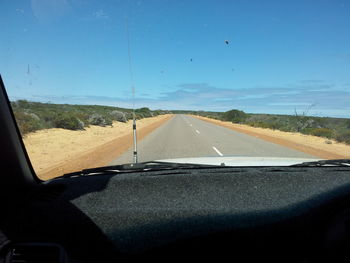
(241, 214)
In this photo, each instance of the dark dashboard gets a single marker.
(289, 214)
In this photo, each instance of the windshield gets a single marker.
(98, 83)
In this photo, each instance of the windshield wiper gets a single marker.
(136, 167)
(322, 163)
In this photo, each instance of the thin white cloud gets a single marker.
(20, 10)
(100, 14)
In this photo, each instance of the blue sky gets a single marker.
(282, 56)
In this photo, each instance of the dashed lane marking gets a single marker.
(218, 152)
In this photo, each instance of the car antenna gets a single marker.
(133, 96)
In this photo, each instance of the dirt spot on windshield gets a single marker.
(317, 146)
(54, 152)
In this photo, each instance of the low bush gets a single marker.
(236, 116)
(118, 116)
(267, 125)
(143, 113)
(129, 115)
(347, 124)
(99, 120)
(344, 137)
(27, 122)
(68, 122)
(139, 116)
(321, 132)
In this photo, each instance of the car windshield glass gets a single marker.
(243, 83)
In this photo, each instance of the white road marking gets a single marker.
(197, 132)
(219, 153)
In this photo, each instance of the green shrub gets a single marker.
(321, 132)
(139, 116)
(252, 123)
(109, 121)
(27, 122)
(129, 115)
(347, 124)
(68, 122)
(23, 103)
(143, 113)
(99, 120)
(344, 137)
(236, 116)
(267, 125)
(118, 116)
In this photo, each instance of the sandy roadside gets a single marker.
(305, 143)
(54, 152)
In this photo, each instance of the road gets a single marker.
(186, 136)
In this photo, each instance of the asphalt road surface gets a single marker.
(184, 136)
